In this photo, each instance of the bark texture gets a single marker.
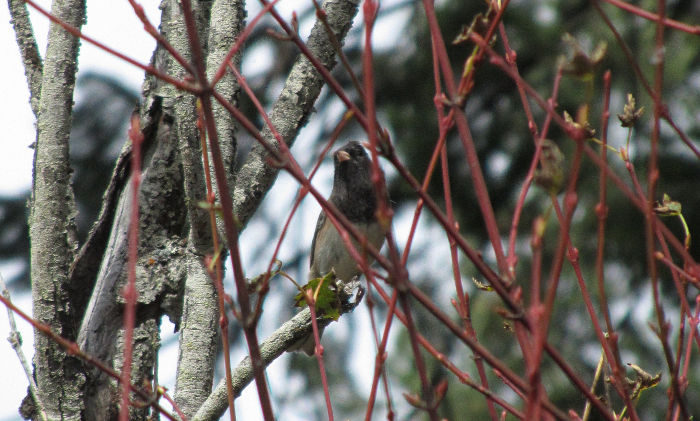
(77, 290)
(199, 332)
(60, 377)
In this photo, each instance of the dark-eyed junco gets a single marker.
(354, 195)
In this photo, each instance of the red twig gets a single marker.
(230, 226)
(381, 354)
(171, 401)
(404, 258)
(311, 303)
(462, 303)
(663, 257)
(130, 292)
(650, 221)
(147, 68)
(153, 31)
(397, 272)
(467, 141)
(539, 139)
(213, 265)
(693, 329)
(611, 353)
(73, 349)
(674, 24)
(535, 312)
(318, 352)
(602, 208)
(462, 376)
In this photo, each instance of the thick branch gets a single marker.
(291, 332)
(199, 332)
(227, 20)
(159, 271)
(292, 108)
(52, 232)
(26, 42)
(199, 337)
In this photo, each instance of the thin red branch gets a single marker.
(477, 175)
(160, 39)
(539, 140)
(398, 275)
(146, 68)
(693, 329)
(650, 221)
(73, 349)
(230, 226)
(602, 207)
(318, 352)
(673, 24)
(214, 266)
(535, 312)
(462, 303)
(130, 292)
(611, 353)
(381, 356)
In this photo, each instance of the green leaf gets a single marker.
(325, 290)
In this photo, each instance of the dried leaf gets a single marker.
(577, 62)
(630, 113)
(550, 171)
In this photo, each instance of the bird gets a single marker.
(354, 195)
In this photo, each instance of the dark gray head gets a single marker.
(353, 192)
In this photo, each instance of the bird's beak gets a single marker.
(342, 156)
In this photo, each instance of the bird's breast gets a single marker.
(334, 255)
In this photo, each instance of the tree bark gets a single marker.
(60, 377)
(199, 332)
(174, 231)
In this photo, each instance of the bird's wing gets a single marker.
(319, 223)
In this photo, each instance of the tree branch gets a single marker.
(294, 330)
(15, 340)
(292, 108)
(159, 271)
(33, 67)
(199, 329)
(199, 336)
(59, 377)
(227, 22)
(199, 332)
